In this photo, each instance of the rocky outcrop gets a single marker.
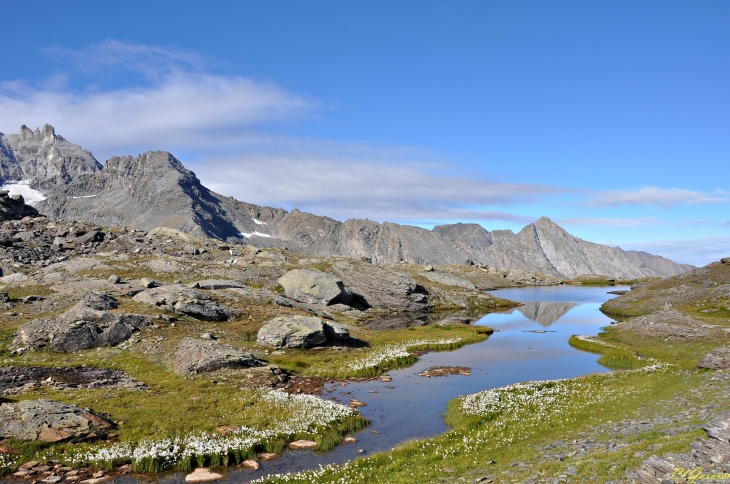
(718, 359)
(704, 286)
(195, 356)
(380, 287)
(708, 457)
(84, 326)
(670, 324)
(156, 190)
(314, 287)
(49, 421)
(184, 300)
(14, 207)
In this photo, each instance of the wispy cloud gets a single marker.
(382, 186)
(697, 252)
(662, 197)
(610, 222)
(178, 106)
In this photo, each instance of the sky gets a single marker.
(609, 117)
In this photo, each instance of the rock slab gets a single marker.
(195, 356)
(48, 420)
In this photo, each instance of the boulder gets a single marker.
(184, 300)
(377, 286)
(147, 282)
(448, 279)
(49, 420)
(86, 325)
(194, 356)
(292, 332)
(314, 287)
(205, 310)
(718, 359)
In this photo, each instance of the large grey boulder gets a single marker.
(314, 287)
(194, 356)
(86, 325)
(718, 359)
(184, 300)
(49, 421)
(292, 332)
(381, 287)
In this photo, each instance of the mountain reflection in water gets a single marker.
(544, 313)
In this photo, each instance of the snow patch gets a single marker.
(23, 188)
(258, 222)
(85, 196)
(248, 236)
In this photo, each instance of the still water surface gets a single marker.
(414, 406)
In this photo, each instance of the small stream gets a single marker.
(411, 406)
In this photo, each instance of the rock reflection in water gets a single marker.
(545, 313)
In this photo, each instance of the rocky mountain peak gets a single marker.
(48, 133)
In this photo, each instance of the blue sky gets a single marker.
(611, 118)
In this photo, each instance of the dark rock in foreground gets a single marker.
(49, 421)
(194, 356)
(18, 379)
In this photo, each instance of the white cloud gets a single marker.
(698, 252)
(380, 187)
(663, 197)
(176, 107)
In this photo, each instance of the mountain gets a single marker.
(64, 181)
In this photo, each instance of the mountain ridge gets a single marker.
(155, 189)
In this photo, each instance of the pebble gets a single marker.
(203, 474)
(302, 444)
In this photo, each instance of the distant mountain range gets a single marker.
(64, 181)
